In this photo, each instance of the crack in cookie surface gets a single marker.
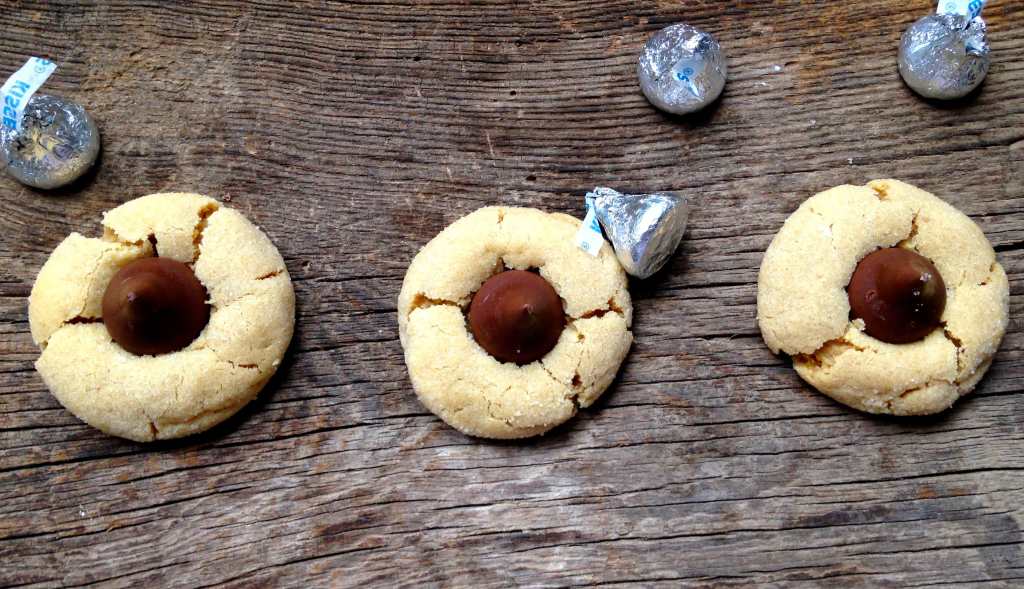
(422, 301)
(555, 379)
(925, 386)
(575, 400)
(90, 278)
(991, 272)
(111, 235)
(880, 189)
(197, 233)
(611, 307)
(70, 284)
(829, 224)
(490, 411)
(825, 356)
(78, 320)
(959, 345)
(270, 274)
(461, 370)
(908, 241)
(236, 365)
(905, 242)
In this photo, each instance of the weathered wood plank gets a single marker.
(352, 133)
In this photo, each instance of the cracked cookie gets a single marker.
(944, 341)
(121, 284)
(480, 290)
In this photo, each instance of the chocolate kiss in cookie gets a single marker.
(155, 306)
(899, 294)
(516, 316)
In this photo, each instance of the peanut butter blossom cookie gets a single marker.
(888, 299)
(166, 325)
(508, 327)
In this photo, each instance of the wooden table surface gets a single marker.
(354, 132)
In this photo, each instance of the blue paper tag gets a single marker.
(969, 8)
(589, 236)
(20, 87)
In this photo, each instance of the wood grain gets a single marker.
(353, 133)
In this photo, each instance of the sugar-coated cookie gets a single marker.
(170, 395)
(803, 308)
(465, 385)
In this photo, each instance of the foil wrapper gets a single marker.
(944, 56)
(57, 143)
(682, 69)
(644, 229)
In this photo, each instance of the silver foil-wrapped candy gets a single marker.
(944, 56)
(682, 69)
(644, 229)
(57, 142)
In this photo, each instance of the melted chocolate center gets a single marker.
(899, 294)
(155, 306)
(516, 316)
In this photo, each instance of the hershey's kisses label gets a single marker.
(685, 73)
(589, 236)
(969, 8)
(17, 90)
